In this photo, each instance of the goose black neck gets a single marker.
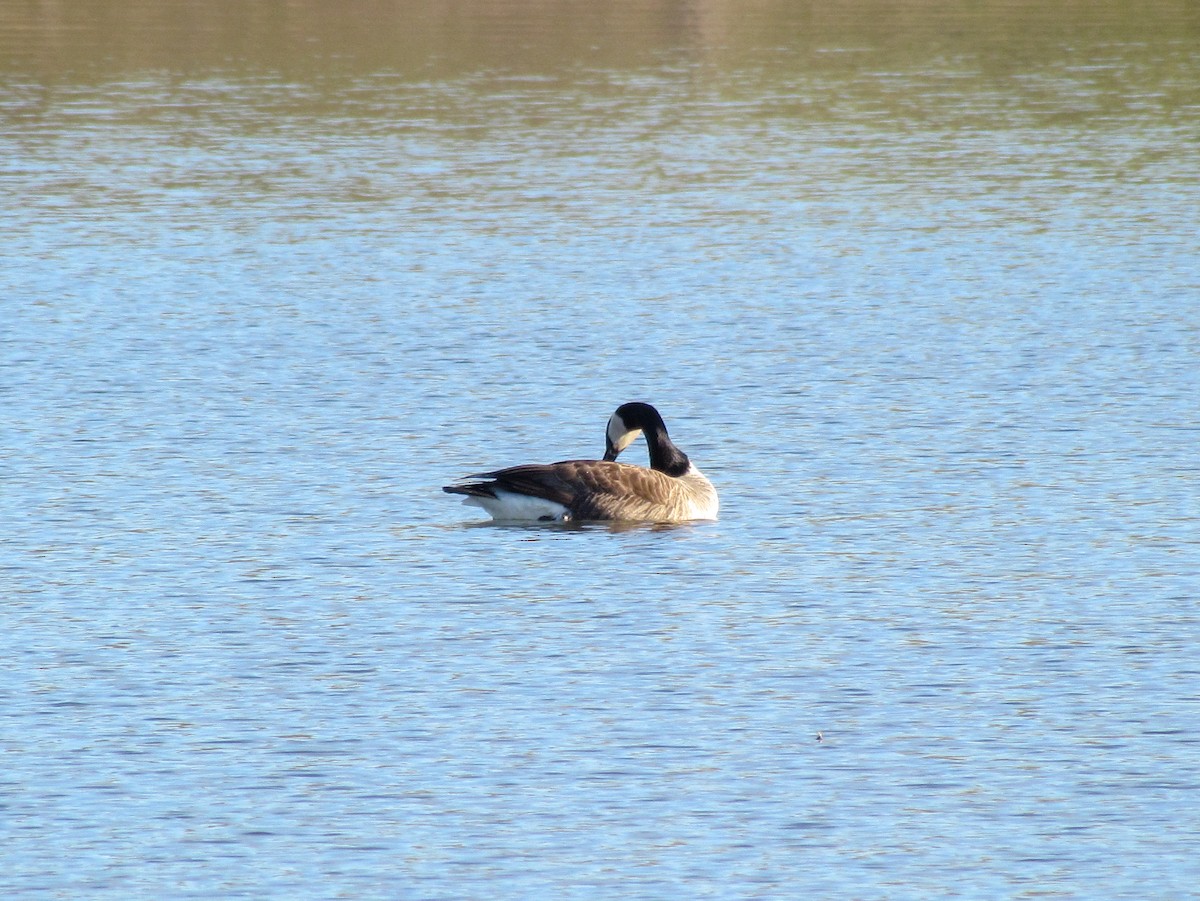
(664, 455)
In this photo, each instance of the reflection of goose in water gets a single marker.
(671, 490)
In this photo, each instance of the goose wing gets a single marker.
(590, 489)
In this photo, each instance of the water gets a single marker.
(916, 287)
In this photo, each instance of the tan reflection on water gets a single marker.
(109, 38)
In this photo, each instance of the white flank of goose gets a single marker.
(671, 490)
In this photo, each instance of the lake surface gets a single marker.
(917, 286)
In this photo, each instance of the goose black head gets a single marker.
(633, 419)
(629, 421)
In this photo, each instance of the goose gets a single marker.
(671, 490)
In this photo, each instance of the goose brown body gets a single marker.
(596, 489)
(671, 490)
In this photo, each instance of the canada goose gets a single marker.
(671, 490)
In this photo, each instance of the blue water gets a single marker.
(932, 330)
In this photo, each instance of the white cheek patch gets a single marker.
(619, 436)
(615, 429)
